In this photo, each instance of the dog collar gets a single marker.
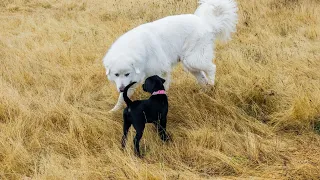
(159, 92)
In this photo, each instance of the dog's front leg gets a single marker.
(211, 72)
(162, 129)
(121, 101)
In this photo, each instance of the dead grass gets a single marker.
(258, 122)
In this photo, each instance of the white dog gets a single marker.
(154, 48)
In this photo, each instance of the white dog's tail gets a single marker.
(221, 15)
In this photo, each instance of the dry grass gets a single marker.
(259, 121)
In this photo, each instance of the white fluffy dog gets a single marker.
(154, 48)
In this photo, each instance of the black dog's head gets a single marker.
(153, 83)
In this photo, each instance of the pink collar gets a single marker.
(159, 92)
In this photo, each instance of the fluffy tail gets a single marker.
(125, 94)
(221, 15)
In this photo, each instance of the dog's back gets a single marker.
(152, 108)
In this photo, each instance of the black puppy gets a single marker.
(153, 110)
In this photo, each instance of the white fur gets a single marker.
(154, 48)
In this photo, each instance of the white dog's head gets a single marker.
(123, 74)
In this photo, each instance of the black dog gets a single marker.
(153, 110)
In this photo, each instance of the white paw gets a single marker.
(211, 82)
(114, 109)
(202, 80)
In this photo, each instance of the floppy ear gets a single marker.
(162, 80)
(148, 86)
(137, 70)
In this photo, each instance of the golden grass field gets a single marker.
(260, 121)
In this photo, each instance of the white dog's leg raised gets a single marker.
(120, 101)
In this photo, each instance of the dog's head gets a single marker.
(153, 83)
(123, 74)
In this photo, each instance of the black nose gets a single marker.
(121, 88)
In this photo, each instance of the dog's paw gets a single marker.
(114, 109)
(204, 89)
(138, 155)
(202, 79)
(211, 82)
(170, 138)
(165, 138)
(203, 82)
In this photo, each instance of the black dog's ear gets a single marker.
(143, 87)
(162, 80)
(148, 85)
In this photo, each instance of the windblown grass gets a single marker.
(261, 120)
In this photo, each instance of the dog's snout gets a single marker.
(121, 88)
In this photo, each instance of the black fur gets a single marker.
(153, 110)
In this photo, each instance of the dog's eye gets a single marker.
(127, 74)
(117, 75)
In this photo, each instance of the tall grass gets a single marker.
(258, 121)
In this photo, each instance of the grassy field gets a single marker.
(260, 121)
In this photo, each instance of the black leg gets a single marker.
(136, 141)
(126, 126)
(161, 126)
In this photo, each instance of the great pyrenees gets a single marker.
(154, 48)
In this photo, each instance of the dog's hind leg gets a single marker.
(198, 61)
(126, 126)
(201, 77)
(136, 141)
(162, 128)
(206, 75)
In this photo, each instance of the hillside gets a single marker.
(261, 120)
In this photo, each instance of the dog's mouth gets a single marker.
(121, 89)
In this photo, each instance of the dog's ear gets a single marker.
(137, 70)
(149, 85)
(162, 80)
